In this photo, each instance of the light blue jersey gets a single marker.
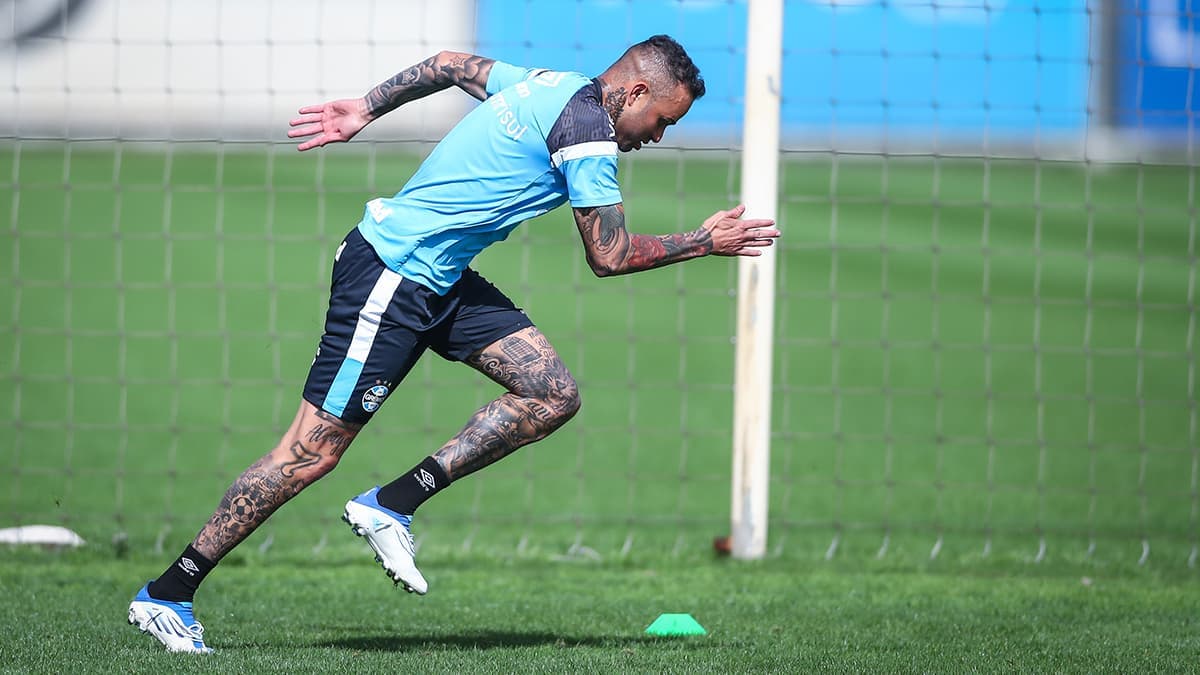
(540, 139)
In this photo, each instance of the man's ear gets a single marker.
(638, 90)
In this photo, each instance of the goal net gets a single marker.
(985, 311)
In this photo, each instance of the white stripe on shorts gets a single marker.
(371, 314)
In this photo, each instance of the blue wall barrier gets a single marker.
(903, 67)
(1158, 53)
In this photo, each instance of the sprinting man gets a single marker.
(402, 283)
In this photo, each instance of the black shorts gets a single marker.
(379, 324)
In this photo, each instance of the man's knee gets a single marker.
(327, 462)
(301, 462)
(314, 445)
(563, 400)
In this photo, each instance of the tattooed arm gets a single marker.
(465, 71)
(612, 250)
(339, 121)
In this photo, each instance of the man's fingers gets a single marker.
(749, 224)
(762, 228)
(308, 118)
(311, 143)
(317, 108)
(304, 131)
(759, 242)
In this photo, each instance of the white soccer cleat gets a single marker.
(388, 534)
(171, 623)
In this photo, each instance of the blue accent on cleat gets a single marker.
(371, 498)
(389, 535)
(171, 623)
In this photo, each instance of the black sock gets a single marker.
(411, 489)
(180, 581)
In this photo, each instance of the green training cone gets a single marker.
(675, 624)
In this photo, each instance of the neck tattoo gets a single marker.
(614, 103)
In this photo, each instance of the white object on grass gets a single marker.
(46, 535)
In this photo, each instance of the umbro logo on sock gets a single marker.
(188, 566)
(425, 479)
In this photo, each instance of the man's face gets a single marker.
(645, 117)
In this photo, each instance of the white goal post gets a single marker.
(756, 283)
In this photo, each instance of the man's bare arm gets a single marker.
(339, 121)
(612, 249)
(444, 69)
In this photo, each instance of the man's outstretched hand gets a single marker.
(733, 236)
(332, 122)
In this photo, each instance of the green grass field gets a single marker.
(530, 614)
(984, 394)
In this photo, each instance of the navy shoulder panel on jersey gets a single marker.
(583, 120)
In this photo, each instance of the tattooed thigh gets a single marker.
(526, 364)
